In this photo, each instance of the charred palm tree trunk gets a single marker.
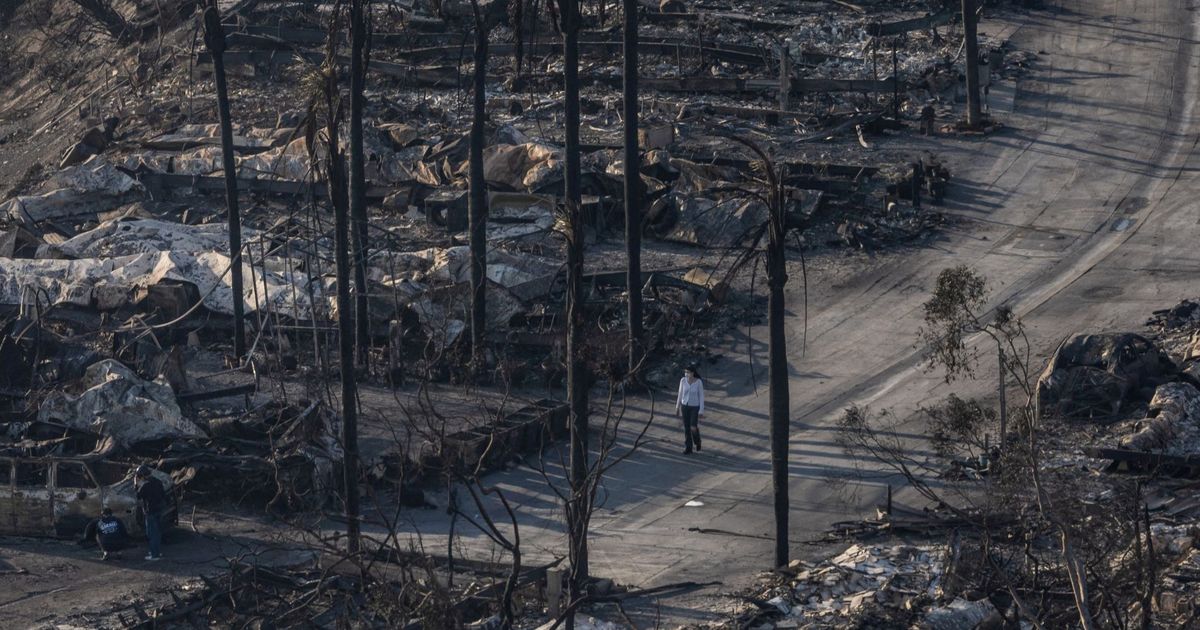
(970, 20)
(633, 199)
(577, 370)
(477, 210)
(778, 376)
(339, 196)
(358, 183)
(214, 39)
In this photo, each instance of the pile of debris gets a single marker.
(132, 213)
(892, 585)
(1095, 377)
(285, 457)
(402, 589)
(1110, 403)
(888, 576)
(1177, 331)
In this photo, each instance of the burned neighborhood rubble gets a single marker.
(1116, 459)
(215, 213)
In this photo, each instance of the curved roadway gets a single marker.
(1083, 214)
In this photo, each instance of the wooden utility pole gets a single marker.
(633, 183)
(974, 113)
(358, 182)
(214, 39)
(477, 209)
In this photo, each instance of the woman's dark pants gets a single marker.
(691, 427)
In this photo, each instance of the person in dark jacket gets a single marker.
(109, 533)
(153, 497)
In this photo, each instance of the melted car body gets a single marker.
(58, 496)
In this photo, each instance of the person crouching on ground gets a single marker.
(690, 406)
(153, 497)
(109, 533)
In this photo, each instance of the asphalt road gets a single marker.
(1082, 215)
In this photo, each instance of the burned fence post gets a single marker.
(633, 181)
(214, 39)
(918, 177)
(896, 81)
(785, 77)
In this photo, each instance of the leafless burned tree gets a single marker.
(1028, 530)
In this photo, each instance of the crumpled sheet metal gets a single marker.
(443, 312)
(711, 223)
(107, 283)
(526, 276)
(960, 613)
(521, 166)
(290, 162)
(114, 402)
(127, 237)
(94, 186)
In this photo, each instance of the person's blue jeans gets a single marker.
(154, 533)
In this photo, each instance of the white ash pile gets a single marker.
(888, 575)
(864, 581)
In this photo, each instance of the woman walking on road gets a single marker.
(690, 406)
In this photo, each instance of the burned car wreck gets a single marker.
(58, 496)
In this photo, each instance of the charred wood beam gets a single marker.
(773, 116)
(1140, 461)
(408, 41)
(490, 593)
(734, 85)
(212, 394)
(210, 184)
(945, 16)
(411, 20)
(745, 55)
(661, 278)
(243, 145)
(426, 48)
(446, 77)
(313, 37)
(792, 169)
(696, 18)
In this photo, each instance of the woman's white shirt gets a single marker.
(691, 394)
